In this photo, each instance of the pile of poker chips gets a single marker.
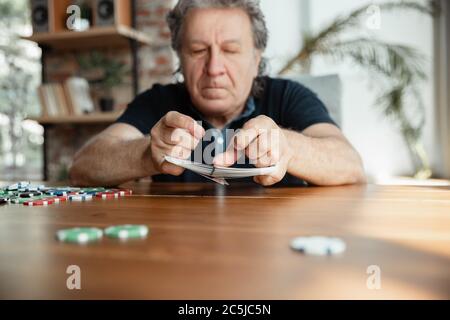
(86, 234)
(39, 195)
(318, 245)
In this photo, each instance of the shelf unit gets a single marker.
(116, 36)
(59, 40)
(91, 118)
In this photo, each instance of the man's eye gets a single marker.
(199, 51)
(231, 51)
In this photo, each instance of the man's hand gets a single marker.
(264, 144)
(174, 135)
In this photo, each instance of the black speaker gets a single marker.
(112, 12)
(40, 15)
(104, 13)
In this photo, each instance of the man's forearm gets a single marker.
(108, 163)
(324, 160)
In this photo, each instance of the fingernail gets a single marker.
(199, 132)
(217, 160)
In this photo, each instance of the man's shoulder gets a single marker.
(161, 98)
(283, 85)
(158, 90)
(281, 88)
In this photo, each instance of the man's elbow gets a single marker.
(357, 175)
(351, 175)
(76, 175)
(79, 175)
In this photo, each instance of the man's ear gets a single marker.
(258, 57)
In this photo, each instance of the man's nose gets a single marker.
(215, 65)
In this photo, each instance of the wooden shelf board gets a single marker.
(92, 118)
(116, 36)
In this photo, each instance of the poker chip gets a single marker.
(120, 192)
(105, 195)
(125, 192)
(79, 235)
(57, 199)
(17, 186)
(34, 188)
(127, 231)
(56, 193)
(80, 197)
(29, 194)
(17, 200)
(41, 202)
(92, 190)
(317, 245)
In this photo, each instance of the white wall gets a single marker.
(285, 30)
(378, 141)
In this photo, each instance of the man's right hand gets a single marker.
(175, 135)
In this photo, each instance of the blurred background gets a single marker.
(68, 68)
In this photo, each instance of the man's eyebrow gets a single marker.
(236, 41)
(196, 41)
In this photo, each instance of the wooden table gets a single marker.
(208, 241)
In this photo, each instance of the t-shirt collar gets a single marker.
(247, 112)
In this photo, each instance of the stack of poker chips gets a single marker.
(39, 195)
(86, 235)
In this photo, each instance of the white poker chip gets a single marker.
(81, 197)
(320, 246)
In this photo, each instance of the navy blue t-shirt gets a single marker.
(288, 103)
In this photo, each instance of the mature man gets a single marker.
(220, 45)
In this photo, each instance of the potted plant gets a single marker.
(399, 69)
(18, 80)
(103, 73)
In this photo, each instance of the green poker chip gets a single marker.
(79, 235)
(19, 200)
(127, 231)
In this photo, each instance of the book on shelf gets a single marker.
(65, 99)
(79, 96)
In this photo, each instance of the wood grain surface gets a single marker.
(212, 242)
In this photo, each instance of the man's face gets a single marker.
(218, 59)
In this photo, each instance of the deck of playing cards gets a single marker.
(219, 174)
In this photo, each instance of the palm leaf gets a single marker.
(340, 25)
(399, 68)
(403, 63)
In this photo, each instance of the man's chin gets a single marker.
(214, 106)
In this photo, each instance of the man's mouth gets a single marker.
(213, 92)
(213, 87)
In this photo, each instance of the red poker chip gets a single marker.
(57, 199)
(126, 192)
(123, 192)
(108, 192)
(43, 202)
(107, 195)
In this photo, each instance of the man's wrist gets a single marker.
(294, 140)
(147, 164)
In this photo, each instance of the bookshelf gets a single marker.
(91, 118)
(121, 34)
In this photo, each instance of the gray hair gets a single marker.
(176, 16)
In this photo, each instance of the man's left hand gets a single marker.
(264, 144)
